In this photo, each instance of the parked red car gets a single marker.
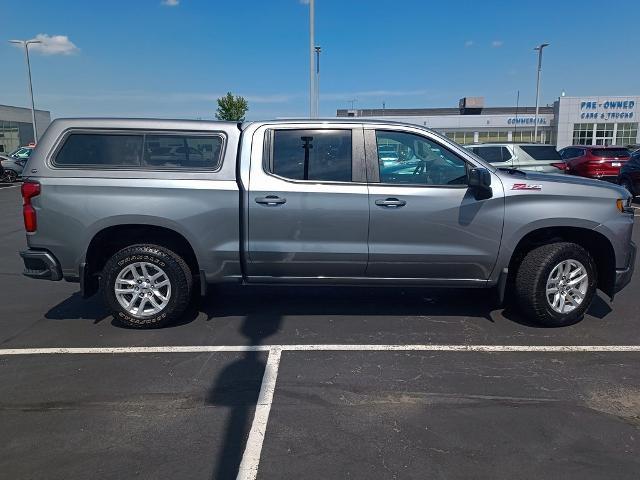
(595, 161)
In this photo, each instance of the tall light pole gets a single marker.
(312, 73)
(539, 50)
(26, 44)
(318, 49)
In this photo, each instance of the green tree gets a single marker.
(232, 108)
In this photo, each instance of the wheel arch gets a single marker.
(597, 244)
(111, 239)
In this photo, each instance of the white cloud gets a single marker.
(468, 43)
(170, 3)
(304, 2)
(497, 43)
(53, 45)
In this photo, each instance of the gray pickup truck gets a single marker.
(150, 212)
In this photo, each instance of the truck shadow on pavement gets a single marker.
(264, 303)
(238, 387)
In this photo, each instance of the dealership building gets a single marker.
(16, 128)
(599, 120)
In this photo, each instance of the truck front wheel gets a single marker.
(555, 284)
(146, 286)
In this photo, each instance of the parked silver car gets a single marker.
(12, 167)
(13, 164)
(522, 156)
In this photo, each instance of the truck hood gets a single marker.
(552, 178)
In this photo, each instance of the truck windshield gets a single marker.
(542, 152)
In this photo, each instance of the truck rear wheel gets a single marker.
(146, 286)
(555, 284)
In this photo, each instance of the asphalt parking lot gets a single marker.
(314, 383)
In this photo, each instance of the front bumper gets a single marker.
(41, 264)
(623, 276)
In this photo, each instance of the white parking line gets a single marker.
(318, 347)
(248, 469)
(251, 458)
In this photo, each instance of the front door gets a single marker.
(425, 221)
(308, 209)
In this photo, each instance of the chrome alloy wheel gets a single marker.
(567, 286)
(142, 289)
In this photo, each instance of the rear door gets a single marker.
(426, 223)
(308, 210)
(539, 158)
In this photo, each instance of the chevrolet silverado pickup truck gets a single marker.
(151, 212)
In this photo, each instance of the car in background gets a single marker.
(535, 157)
(22, 152)
(388, 154)
(595, 161)
(633, 148)
(629, 176)
(13, 164)
(12, 168)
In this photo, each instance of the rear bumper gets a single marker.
(41, 264)
(623, 276)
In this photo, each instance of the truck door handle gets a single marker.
(391, 202)
(271, 200)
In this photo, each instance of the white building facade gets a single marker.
(604, 120)
(16, 127)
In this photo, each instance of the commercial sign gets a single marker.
(607, 110)
(526, 121)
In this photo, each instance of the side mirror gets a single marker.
(480, 181)
(479, 178)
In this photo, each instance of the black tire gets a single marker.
(176, 270)
(531, 282)
(9, 176)
(628, 184)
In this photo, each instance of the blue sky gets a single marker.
(146, 58)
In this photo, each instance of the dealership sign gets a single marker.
(526, 121)
(607, 110)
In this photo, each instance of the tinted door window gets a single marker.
(567, 153)
(543, 153)
(492, 154)
(100, 150)
(323, 155)
(420, 161)
(506, 154)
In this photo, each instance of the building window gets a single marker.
(604, 133)
(627, 134)
(463, 138)
(522, 136)
(583, 133)
(493, 136)
(9, 138)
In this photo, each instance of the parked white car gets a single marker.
(535, 157)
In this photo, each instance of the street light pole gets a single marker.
(26, 44)
(312, 112)
(318, 49)
(539, 50)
